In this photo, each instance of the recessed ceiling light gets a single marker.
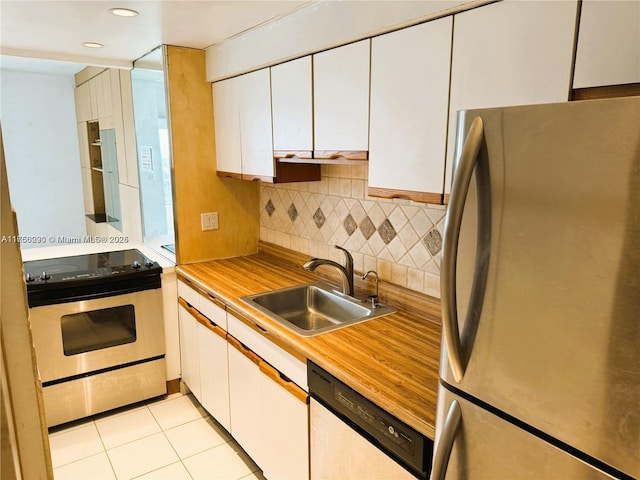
(123, 12)
(92, 45)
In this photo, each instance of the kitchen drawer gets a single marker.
(283, 361)
(191, 295)
(214, 310)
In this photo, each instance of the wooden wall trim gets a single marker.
(198, 189)
(609, 91)
(422, 197)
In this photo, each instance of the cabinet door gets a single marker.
(608, 51)
(341, 98)
(95, 90)
(189, 356)
(291, 103)
(227, 126)
(255, 125)
(246, 416)
(409, 106)
(83, 141)
(83, 103)
(102, 91)
(502, 56)
(285, 419)
(214, 374)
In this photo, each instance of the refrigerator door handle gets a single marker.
(445, 444)
(453, 223)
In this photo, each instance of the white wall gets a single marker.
(38, 118)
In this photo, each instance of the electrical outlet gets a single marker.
(209, 221)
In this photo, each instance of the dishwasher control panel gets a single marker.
(401, 442)
(393, 430)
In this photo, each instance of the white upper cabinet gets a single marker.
(242, 118)
(291, 104)
(409, 106)
(341, 98)
(510, 53)
(226, 117)
(256, 138)
(605, 56)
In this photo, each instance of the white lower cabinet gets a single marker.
(214, 373)
(189, 358)
(269, 415)
(260, 405)
(244, 378)
(203, 354)
(285, 425)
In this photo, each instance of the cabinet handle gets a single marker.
(216, 301)
(244, 350)
(289, 386)
(183, 303)
(453, 223)
(210, 325)
(361, 155)
(200, 318)
(445, 444)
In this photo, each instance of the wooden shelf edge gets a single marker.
(237, 176)
(293, 155)
(422, 197)
(257, 178)
(337, 155)
(284, 173)
(608, 91)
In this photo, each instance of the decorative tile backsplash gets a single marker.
(400, 239)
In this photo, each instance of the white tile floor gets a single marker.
(168, 439)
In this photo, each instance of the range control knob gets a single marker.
(29, 278)
(148, 263)
(45, 276)
(136, 264)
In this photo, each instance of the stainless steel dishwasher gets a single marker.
(354, 439)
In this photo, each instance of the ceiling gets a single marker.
(46, 36)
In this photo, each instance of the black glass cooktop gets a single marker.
(89, 268)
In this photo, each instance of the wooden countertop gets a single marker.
(393, 360)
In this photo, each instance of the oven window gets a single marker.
(97, 329)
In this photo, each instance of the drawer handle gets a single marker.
(210, 325)
(244, 350)
(288, 385)
(202, 319)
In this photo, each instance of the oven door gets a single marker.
(88, 336)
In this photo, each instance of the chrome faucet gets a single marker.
(373, 298)
(346, 270)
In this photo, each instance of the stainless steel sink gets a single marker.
(314, 308)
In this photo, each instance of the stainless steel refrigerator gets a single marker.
(540, 280)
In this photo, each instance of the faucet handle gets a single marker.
(349, 258)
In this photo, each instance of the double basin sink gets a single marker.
(314, 308)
